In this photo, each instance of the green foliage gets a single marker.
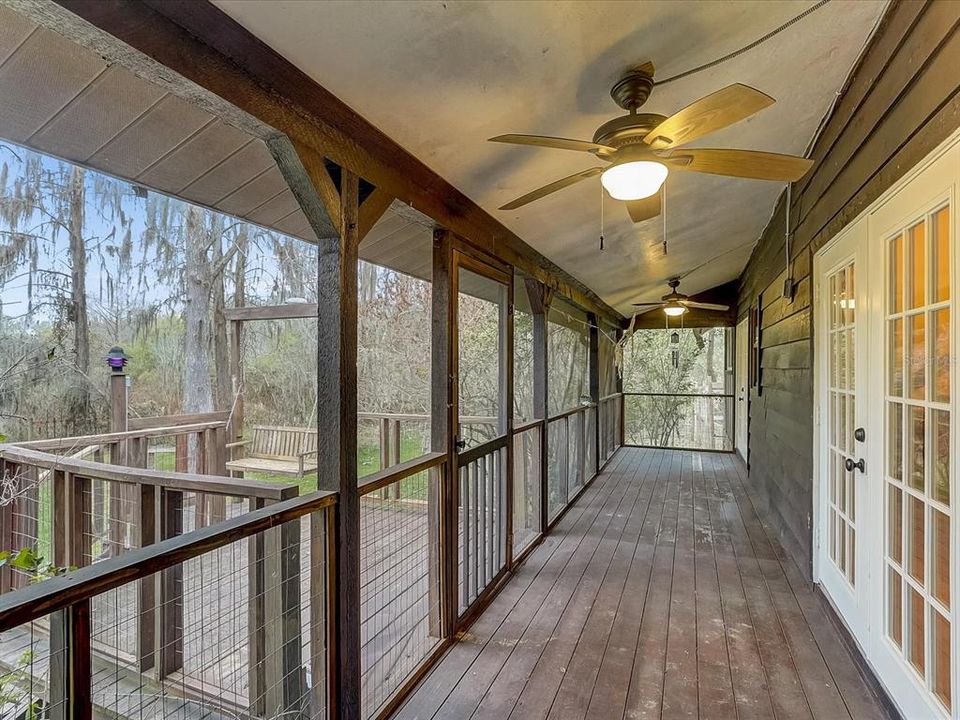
(29, 561)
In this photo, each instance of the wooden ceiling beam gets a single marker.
(222, 61)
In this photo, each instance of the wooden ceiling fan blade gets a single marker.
(705, 306)
(641, 210)
(650, 304)
(713, 112)
(739, 163)
(553, 142)
(552, 188)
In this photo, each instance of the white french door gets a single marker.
(742, 380)
(888, 441)
(842, 365)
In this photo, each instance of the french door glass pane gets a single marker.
(940, 367)
(940, 548)
(916, 253)
(940, 272)
(895, 607)
(917, 356)
(916, 536)
(940, 655)
(896, 357)
(896, 274)
(895, 523)
(915, 629)
(940, 456)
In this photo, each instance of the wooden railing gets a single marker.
(209, 615)
(78, 513)
(571, 456)
(261, 640)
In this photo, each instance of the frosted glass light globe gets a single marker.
(633, 180)
(674, 309)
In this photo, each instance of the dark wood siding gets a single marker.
(900, 103)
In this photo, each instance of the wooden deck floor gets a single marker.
(659, 595)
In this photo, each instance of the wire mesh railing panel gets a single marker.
(34, 670)
(526, 487)
(236, 632)
(699, 422)
(557, 466)
(575, 454)
(482, 524)
(589, 443)
(399, 583)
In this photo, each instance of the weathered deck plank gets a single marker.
(660, 595)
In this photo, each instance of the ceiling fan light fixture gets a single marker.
(634, 179)
(674, 309)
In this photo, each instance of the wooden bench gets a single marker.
(276, 451)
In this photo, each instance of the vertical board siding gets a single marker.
(902, 100)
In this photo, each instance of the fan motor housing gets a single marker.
(627, 129)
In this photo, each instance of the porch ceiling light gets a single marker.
(633, 180)
(674, 309)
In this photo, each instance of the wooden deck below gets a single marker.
(658, 595)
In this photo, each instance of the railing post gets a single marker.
(81, 702)
(170, 620)
(147, 621)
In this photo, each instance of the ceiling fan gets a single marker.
(676, 303)
(641, 148)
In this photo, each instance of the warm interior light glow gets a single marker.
(674, 309)
(633, 180)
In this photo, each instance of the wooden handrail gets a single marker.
(611, 396)
(107, 438)
(396, 473)
(187, 482)
(35, 601)
(675, 394)
(528, 425)
(414, 417)
(571, 411)
(165, 421)
(468, 456)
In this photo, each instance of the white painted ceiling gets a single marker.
(442, 77)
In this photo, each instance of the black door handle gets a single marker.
(459, 444)
(849, 464)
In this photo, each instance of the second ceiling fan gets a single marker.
(641, 148)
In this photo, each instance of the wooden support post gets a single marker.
(540, 298)
(337, 440)
(506, 471)
(171, 588)
(594, 370)
(619, 404)
(442, 497)
(148, 587)
(236, 379)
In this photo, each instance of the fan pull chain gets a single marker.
(601, 217)
(663, 207)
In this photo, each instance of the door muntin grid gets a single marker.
(841, 397)
(918, 504)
